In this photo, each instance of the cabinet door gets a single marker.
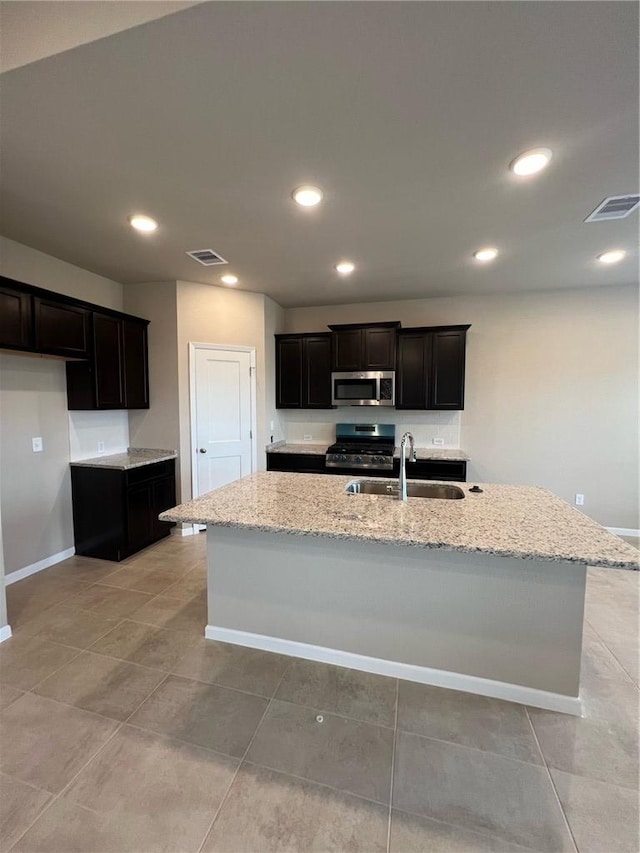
(413, 371)
(163, 496)
(379, 349)
(289, 373)
(136, 373)
(107, 347)
(347, 350)
(15, 319)
(61, 329)
(139, 515)
(447, 385)
(317, 372)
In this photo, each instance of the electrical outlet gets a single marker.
(36, 445)
(438, 441)
(101, 447)
(307, 438)
(579, 500)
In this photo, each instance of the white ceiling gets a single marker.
(406, 114)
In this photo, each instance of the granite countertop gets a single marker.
(452, 454)
(509, 521)
(135, 457)
(305, 447)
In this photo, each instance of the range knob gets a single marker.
(358, 459)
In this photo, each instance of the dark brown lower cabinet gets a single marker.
(422, 469)
(115, 512)
(299, 463)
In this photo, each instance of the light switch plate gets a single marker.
(36, 444)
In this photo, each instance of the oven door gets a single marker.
(367, 388)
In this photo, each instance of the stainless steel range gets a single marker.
(363, 446)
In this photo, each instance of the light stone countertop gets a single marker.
(453, 454)
(135, 457)
(305, 447)
(525, 522)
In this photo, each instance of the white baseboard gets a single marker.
(185, 531)
(410, 672)
(624, 531)
(20, 574)
(5, 633)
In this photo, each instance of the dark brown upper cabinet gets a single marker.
(370, 346)
(61, 328)
(431, 368)
(136, 365)
(116, 376)
(16, 319)
(303, 371)
(105, 350)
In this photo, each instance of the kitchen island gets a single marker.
(483, 594)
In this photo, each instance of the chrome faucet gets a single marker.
(402, 485)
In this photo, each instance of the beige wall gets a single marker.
(218, 315)
(159, 425)
(26, 264)
(35, 488)
(274, 322)
(35, 494)
(552, 387)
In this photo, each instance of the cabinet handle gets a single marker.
(203, 450)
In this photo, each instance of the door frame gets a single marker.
(193, 349)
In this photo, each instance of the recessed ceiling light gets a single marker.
(229, 279)
(307, 196)
(142, 223)
(612, 257)
(487, 254)
(531, 162)
(345, 267)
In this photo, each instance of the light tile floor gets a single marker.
(123, 730)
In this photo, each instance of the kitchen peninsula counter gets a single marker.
(524, 522)
(483, 594)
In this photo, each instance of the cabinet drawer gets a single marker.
(150, 472)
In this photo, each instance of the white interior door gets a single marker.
(223, 417)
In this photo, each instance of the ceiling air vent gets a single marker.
(614, 207)
(207, 257)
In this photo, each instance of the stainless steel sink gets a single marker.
(414, 490)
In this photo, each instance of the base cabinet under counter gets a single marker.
(115, 511)
(423, 469)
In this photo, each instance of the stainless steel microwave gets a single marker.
(364, 388)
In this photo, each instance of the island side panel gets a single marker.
(515, 622)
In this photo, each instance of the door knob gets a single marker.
(203, 450)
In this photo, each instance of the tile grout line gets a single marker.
(241, 761)
(393, 762)
(612, 653)
(553, 784)
(56, 797)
